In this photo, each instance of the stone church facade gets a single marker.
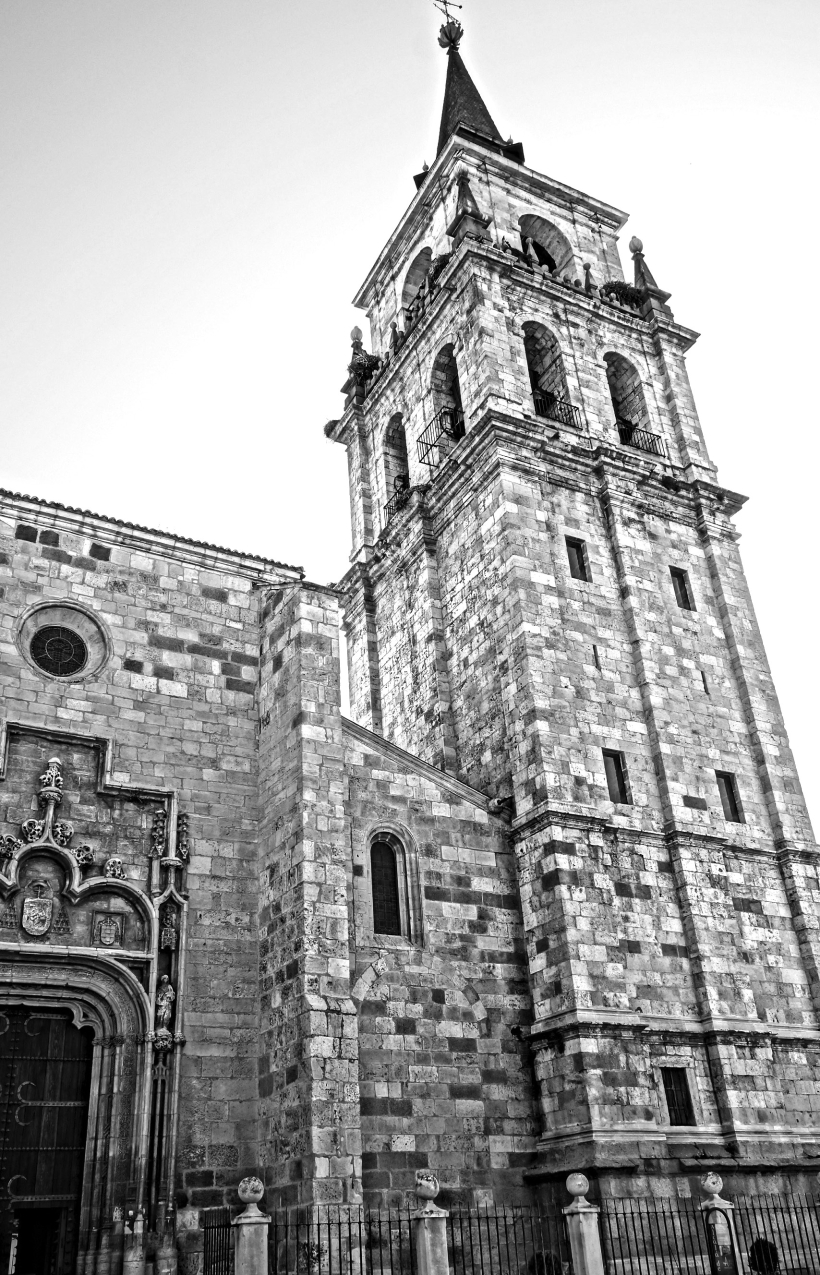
(547, 901)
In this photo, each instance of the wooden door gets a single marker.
(45, 1075)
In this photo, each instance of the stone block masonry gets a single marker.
(177, 701)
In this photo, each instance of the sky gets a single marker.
(192, 191)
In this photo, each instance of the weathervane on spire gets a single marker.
(452, 30)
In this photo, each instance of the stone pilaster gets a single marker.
(309, 1048)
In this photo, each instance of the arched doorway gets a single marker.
(45, 1082)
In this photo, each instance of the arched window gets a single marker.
(627, 396)
(384, 882)
(394, 453)
(415, 277)
(547, 379)
(447, 393)
(552, 248)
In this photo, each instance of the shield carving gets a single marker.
(108, 931)
(36, 918)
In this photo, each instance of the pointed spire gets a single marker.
(468, 219)
(645, 280)
(463, 103)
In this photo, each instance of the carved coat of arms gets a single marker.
(108, 931)
(36, 918)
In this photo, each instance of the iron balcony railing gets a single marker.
(448, 423)
(641, 439)
(396, 502)
(555, 408)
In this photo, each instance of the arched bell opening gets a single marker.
(447, 402)
(626, 392)
(415, 277)
(548, 382)
(551, 247)
(394, 456)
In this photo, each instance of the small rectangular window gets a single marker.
(616, 776)
(678, 1097)
(578, 563)
(683, 593)
(727, 787)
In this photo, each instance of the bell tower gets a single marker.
(546, 600)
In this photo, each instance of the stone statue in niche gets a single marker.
(165, 1004)
(169, 936)
(163, 1040)
(37, 909)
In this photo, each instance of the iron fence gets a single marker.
(396, 502)
(358, 1241)
(778, 1233)
(631, 436)
(337, 1240)
(652, 1237)
(218, 1241)
(555, 408)
(448, 423)
(508, 1241)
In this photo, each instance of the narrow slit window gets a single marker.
(578, 562)
(678, 1097)
(705, 683)
(727, 787)
(615, 769)
(384, 878)
(683, 591)
(596, 657)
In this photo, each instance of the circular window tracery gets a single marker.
(63, 641)
(58, 651)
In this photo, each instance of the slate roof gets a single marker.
(463, 104)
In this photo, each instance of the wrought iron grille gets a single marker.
(555, 408)
(58, 651)
(448, 423)
(217, 1241)
(776, 1235)
(781, 1229)
(339, 1240)
(641, 439)
(651, 1237)
(396, 502)
(508, 1241)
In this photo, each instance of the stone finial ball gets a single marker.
(635, 244)
(356, 334)
(712, 1183)
(577, 1184)
(251, 1190)
(427, 1184)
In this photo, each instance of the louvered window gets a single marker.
(384, 879)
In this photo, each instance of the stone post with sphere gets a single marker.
(429, 1223)
(583, 1228)
(251, 1234)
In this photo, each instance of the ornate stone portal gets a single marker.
(92, 940)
